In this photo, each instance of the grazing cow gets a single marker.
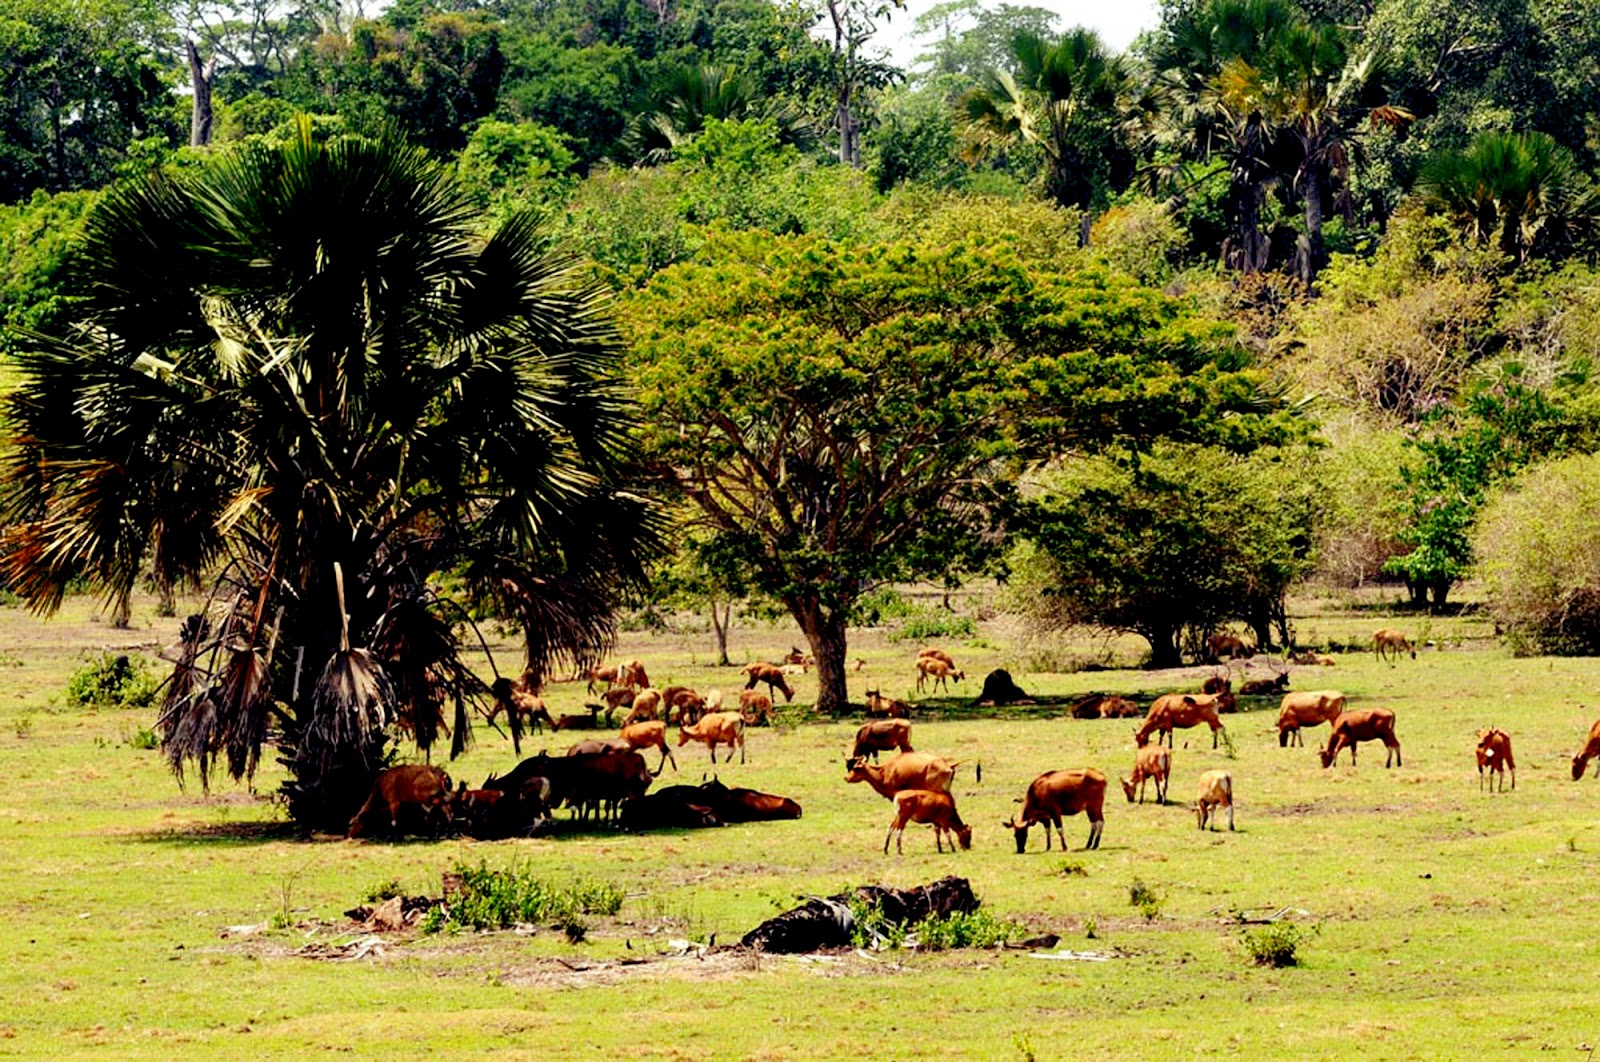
(1149, 762)
(754, 707)
(713, 700)
(931, 808)
(1494, 752)
(938, 670)
(880, 706)
(632, 674)
(718, 728)
(651, 735)
(1061, 793)
(1180, 711)
(930, 653)
(1216, 791)
(1590, 750)
(619, 697)
(1389, 643)
(680, 704)
(772, 676)
(1310, 708)
(882, 735)
(645, 705)
(1223, 644)
(909, 770)
(413, 786)
(1362, 724)
(519, 704)
(597, 675)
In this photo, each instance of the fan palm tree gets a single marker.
(688, 96)
(1521, 192)
(1066, 96)
(297, 382)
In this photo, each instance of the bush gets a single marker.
(498, 899)
(921, 623)
(1275, 944)
(1146, 899)
(979, 929)
(1540, 558)
(113, 682)
(144, 738)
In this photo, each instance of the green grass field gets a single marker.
(1449, 921)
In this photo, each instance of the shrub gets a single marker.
(1540, 559)
(497, 899)
(144, 738)
(922, 622)
(113, 681)
(1276, 944)
(1146, 899)
(979, 929)
(383, 890)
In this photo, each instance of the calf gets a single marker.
(645, 705)
(881, 706)
(1363, 724)
(1390, 642)
(1061, 793)
(1311, 708)
(754, 707)
(882, 735)
(930, 653)
(519, 704)
(936, 669)
(651, 735)
(931, 808)
(1150, 762)
(1216, 791)
(1590, 750)
(772, 676)
(419, 786)
(718, 728)
(909, 770)
(1181, 711)
(1494, 752)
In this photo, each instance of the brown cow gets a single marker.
(1230, 645)
(1309, 708)
(1216, 791)
(1362, 724)
(415, 785)
(931, 808)
(1149, 762)
(1061, 793)
(1494, 753)
(1390, 641)
(941, 672)
(929, 652)
(1180, 711)
(909, 770)
(882, 735)
(718, 728)
(880, 706)
(651, 735)
(1590, 750)
(520, 703)
(773, 676)
(754, 707)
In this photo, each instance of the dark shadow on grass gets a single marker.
(232, 834)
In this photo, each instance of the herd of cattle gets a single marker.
(609, 778)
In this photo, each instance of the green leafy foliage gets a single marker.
(494, 898)
(921, 622)
(979, 929)
(1276, 944)
(113, 681)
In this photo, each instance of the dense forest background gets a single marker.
(1368, 229)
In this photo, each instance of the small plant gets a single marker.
(144, 738)
(1089, 928)
(1146, 899)
(872, 928)
(24, 725)
(497, 899)
(113, 681)
(980, 929)
(1227, 744)
(575, 928)
(1074, 869)
(921, 623)
(383, 890)
(1024, 1045)
(283, 917)
(1276, 944)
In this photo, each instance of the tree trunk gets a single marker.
(200, 114)
(1261, 624)
(721, 620)
(826, 635)
(1441, 591)
(1308, 250)
(849, 147)
(1163, 647)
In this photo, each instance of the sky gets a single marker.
(1118, 22)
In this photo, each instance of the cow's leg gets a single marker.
(1230, 815)
(887, 838)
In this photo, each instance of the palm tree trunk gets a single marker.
(1309, 256)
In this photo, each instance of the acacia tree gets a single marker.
(845, 417)
(297, 381)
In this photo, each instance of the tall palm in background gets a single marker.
(297, 382)
(1521, 192)
(689, 96)
(1067, 97)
